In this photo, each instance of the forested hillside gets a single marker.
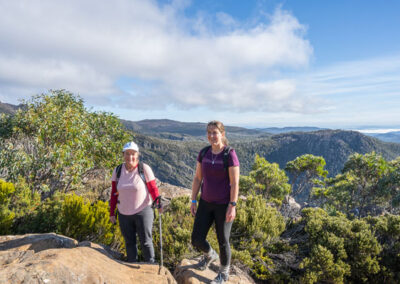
(189, 131)
(171, 147)
(174, 161)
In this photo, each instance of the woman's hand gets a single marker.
(112, 219)
(160, 209)
(193, 209)
(230, 214)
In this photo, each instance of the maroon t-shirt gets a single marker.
(216, 185)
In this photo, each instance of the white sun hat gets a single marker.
(131, 146)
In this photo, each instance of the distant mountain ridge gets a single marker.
(278, 130)
(176, 130)
(174, 161)
(9, 108)
(393, 136)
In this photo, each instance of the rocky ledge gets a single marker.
(51, 258)
(187, 273)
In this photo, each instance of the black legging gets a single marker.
(206, 214)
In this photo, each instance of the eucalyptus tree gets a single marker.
(367, 185)
(306, 170)
(55, 142)
(266, 179)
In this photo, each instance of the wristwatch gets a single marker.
(233, 203)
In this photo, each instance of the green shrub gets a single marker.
(256, 228)
(76, 218)
(266, 179)
(368, 184)
(73, 216)
(6, 216)
(177, 225)
(82, 220)
(306, 170)
(23, 200)
(45, 218)
(387, 231)
(322, 267)
(341, 250)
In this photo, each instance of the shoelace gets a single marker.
(203, 261)
(219, 278)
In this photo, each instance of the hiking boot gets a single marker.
(208, 259)
(221, 278)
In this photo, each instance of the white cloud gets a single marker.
(364, 82)
(86, 46)
(226, 19)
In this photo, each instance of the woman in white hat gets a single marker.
(133, 191)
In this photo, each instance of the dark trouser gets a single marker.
(142, 224)
(206, 214)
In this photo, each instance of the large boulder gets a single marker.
(51, 258)
(187, 273)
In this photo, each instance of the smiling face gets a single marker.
(215, 136)
(131, 157)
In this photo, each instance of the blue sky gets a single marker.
(250, 63)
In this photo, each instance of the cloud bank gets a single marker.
(164, 57)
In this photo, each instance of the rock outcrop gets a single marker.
(51, 258)
(187, 273)
(290, 208)
(171, 191)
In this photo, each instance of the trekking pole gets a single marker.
(161, 251)
(157, 204)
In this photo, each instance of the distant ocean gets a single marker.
(377, 131)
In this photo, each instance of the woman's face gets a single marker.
(131, 157)
(215, 136)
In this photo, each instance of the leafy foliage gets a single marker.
(55, 142)
(306, 170)
(387, 231)
(256, 227)
(267, 179)
(341, 249)
(6, 216)
(177, 224)
(368, 184)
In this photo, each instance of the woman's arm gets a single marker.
(234, 173)
(151, 185)
(113, 201)
(198, 177)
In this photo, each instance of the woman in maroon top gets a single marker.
(218, 179)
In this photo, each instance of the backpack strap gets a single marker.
(203, 152)
(140, 169)
(227, 151)
(118, 172)
(141, 173)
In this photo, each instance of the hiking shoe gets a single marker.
(207, 260)
(221, 278)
